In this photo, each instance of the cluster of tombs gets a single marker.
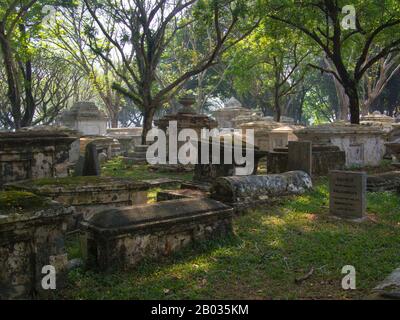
(51, 185)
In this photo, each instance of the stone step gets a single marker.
(137, 155)
(141, 148)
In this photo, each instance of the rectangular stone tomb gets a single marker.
(324, 159)
(348, 194)
(32, 234)
(34, 153)
(88, 194)
(121, 238)
(248, 191)
(381, 182)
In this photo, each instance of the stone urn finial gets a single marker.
(187, 101)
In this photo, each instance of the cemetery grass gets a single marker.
(117, 168)
(271, 248)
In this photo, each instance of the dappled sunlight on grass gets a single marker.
(271, 247)
(273, 221)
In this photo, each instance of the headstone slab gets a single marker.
(300, 156)
(91, 165)
(347, 197)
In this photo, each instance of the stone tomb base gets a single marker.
(88, 194)
(29, 240)
(167, 195)
(381, 182)
(121, 238)
(251, 191)
(324, 159)
(34, 153)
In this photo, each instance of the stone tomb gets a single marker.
(138, 156)
(378, 119)
(167, 195)
(86, 118)
(88, 194)
(300, 156)
(35, 153)
(121, 238)
(32, 234)
(381, 182)
(269, 134)
(186, 118)
(324, 159)
(364, 145)
(106, 150)
(232, 109)
(127, 137)
(209, 172)
(249, 191)
(348, 194)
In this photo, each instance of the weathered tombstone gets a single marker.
(348, 194)
(78, 169)
(91, 166)
(300, 156)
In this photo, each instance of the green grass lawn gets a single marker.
(117, 168)
(271, 247)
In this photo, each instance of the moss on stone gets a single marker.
(68, 181)
(14, 201)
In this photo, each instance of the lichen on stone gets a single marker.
(20, 201)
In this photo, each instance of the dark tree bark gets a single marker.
(14, 94)
(13, 15)
(277, 104)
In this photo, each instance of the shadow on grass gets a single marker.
(263, 258)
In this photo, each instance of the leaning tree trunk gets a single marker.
(148, 116)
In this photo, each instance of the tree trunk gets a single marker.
(299, 113)
(12, 80)
(114, 121)
(343, 99)
(277, 106)
(113, 112)
(354, 103)
(29, 100)
(148, 116)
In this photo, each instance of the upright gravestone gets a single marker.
(91, 166)
(348, 194)
(300, 156)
